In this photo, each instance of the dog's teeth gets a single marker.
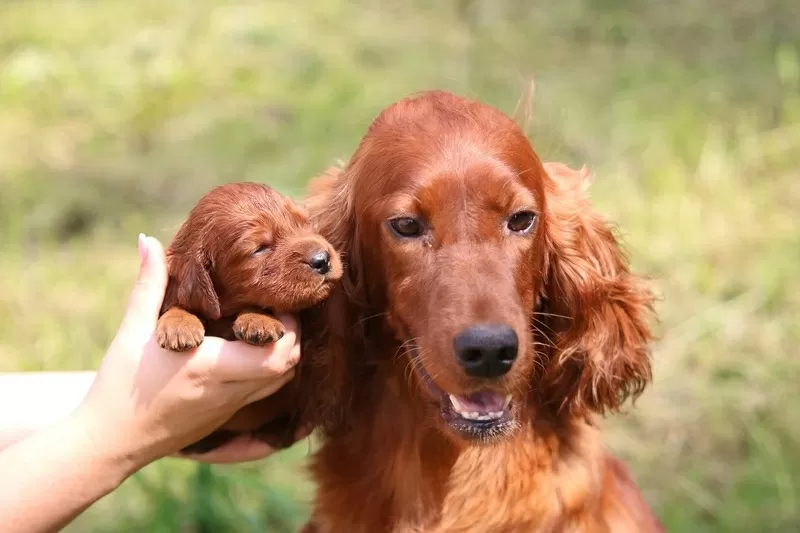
(456, 404)
(474, 415)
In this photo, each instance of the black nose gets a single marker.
(486, 350)
(320, 262)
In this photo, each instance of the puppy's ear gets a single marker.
(190, 286)
(594, 310)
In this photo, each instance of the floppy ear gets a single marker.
(595, 311)
(333, 335)
(190, 286)
(331, 206)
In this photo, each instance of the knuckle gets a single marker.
(196, 375)
(293, 359)
(278, 366)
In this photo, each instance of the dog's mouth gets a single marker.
(481, 416)
(480, 406)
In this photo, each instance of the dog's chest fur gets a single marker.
(388, 482)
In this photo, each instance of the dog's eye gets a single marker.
(406, 227)
(261, 249)
(521, 222)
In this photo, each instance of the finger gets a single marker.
(290, 323)
(239, 450)
(144, 303)
(226, 361)
(270, 386)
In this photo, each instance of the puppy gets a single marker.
(244, 253)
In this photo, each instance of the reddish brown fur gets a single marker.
(241, 256)
(382, 344)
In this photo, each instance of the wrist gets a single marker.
(103, 451)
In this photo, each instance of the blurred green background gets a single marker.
(116, 116)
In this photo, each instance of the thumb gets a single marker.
(144, 303)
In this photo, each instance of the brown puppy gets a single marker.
(244, 253)
(487, 317)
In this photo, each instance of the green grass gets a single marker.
(115, 117)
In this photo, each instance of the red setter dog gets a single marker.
(244, 252)
(486, 315)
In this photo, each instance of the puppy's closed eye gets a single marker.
(261, 249)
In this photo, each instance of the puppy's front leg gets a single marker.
(257, 328)
(179, 330)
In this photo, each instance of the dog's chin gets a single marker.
(483, 416)
(303, 294)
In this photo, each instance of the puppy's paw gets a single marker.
(179, 331)
(257, 329)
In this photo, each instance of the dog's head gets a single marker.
(507, 292)
(244, 244)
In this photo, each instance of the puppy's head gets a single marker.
(245, 244)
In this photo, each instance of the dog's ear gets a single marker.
(333, 335)
(593, 309)
(190, 286)
(330, 204)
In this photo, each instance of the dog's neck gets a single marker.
(392, 456)
(393, 470)
(390, 468)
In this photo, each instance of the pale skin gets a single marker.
(68, 439)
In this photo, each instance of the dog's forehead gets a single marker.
(475, 187)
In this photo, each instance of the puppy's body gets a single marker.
(244, 253)
(486, 316)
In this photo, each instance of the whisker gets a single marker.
(543, 324)
(555, 315)
(538, 330)
(364, 319)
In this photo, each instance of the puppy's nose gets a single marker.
(486, 350)
(320, 262)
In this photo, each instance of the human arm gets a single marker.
(33, 401)
(145, 403)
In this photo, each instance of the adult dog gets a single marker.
(485, 317)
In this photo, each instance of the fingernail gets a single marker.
(142, 247)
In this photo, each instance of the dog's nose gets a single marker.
(486, 350)
(320, 262)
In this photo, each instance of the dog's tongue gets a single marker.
(482, 402)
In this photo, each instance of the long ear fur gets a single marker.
(330, 203)
(190, 286)
(594, 309)
(333, 335)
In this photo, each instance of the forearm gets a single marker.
(30, 401)
(55, 474)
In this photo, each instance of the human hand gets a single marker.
(147, 402)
